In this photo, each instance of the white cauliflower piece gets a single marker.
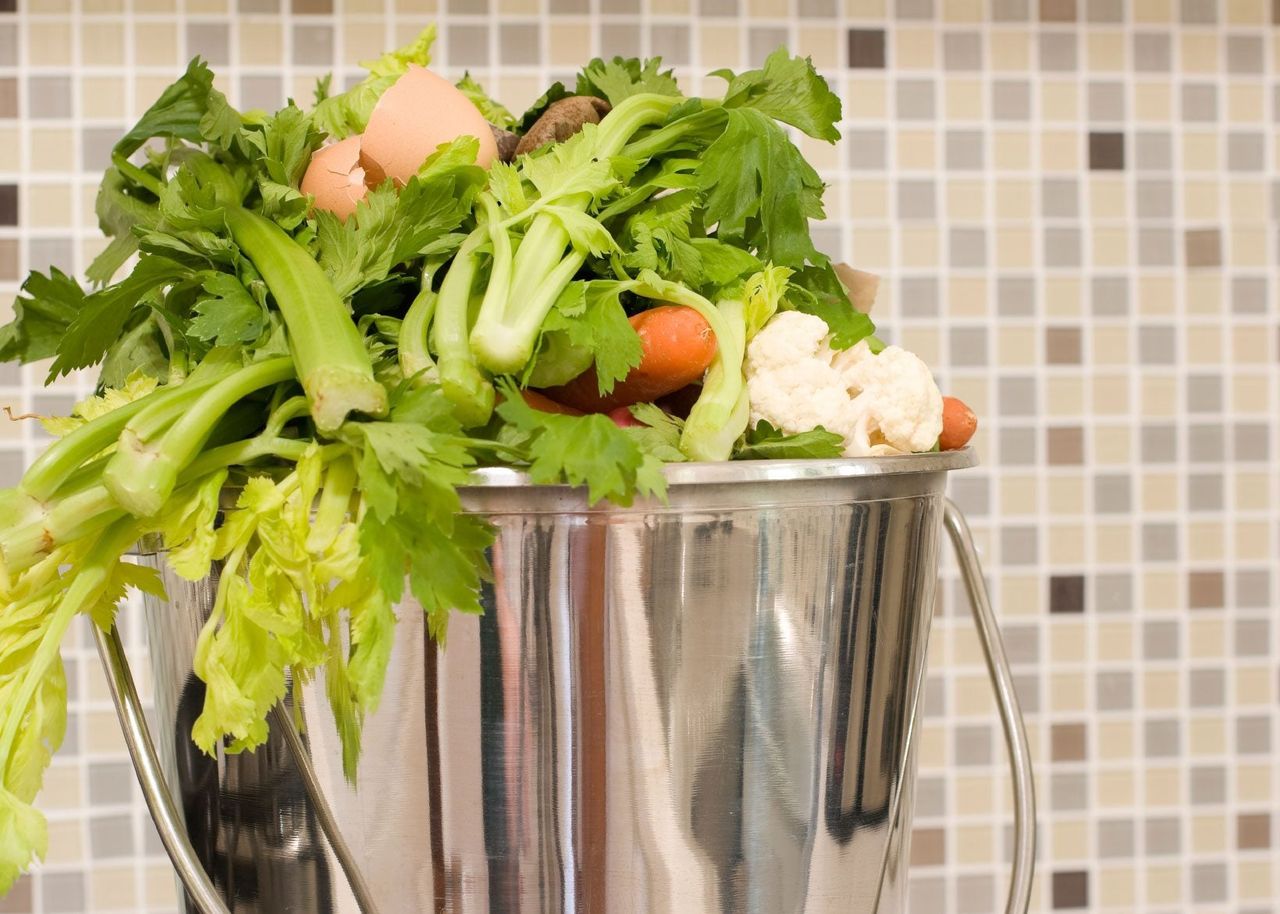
(879, 404)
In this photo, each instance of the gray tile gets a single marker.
(1161, 640)
(962, 51)
(1251, 441)
(968, 247)
(64, 893)
(972, 494)
(1199, 103)
(1244, 54)
(1204, 394)
(928, 893)
(935, 697)
(1018, 446)
(866, 149)
(915, 99)
(96, 144)
(1068, 791)
(263, 92)
(1111, 494)
(1155, 247)
(1153, 150)
(761, 42)
(1060, 197)
(1249, 294)
(1205, 443)
(1113, 592)
(671, 44)
(1208, 688)
(20, 899)
(1246, 151)
(258, 6)
(313, 45)
(70, 747)
(828, 238)
(1253, 589)
(1016, 296)
(1017, 396)
(1162, 738)
(913, 9)
(975, 894)
(918, 296)
(1152, 52)
(1199, 10)
(1163, 836)
(818, 9)
(1109, 296)
(931, 797)
(973, 744)
(1115, 839)
(1106, 102)
(469, 45)
(1058, 52)
(1253, 638)
(520, 44)
(111, 836)
(1010, 10)
(965, 150)
(59, 252)
(49, 97)
(1019, 545)
(1157, 346)
(1159, 444)
(1022, 643)
(10, 374)
(8, 45)
(1204, 491)
(11, 468)
(1208, 880)
(1113, 691)
(1027, 687)
(1011, 100)
(705, 7)
(968, 346)
(1104, 11)
(1253, 735)
(111, 783)
(620, 39)
(1208, 785)
(212, 41)
(570, 7)
(1061, 246)
(1154, 198)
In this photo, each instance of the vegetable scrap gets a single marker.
(334, 315)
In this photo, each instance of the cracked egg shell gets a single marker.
(412, 119)
(335, 178)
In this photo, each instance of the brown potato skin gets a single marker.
(958, 424)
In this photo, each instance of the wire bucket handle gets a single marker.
(205, 896)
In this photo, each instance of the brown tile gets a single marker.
(19, 898)
(866, 49)
(1062, 345)
(1065, 446)
(928, 847)
(314, 7)
(1275, 11)
(1106, 151)
(1253, 831)
(8, 204)
(1205, 590)
(1058, 10)
(1204, 248)
(1070, 890)
(1066, 593)
(1068, 742)
(8, 97)
(8, 258)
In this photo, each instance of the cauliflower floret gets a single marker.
(880, 404)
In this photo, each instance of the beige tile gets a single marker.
(867, 96)
(61, 788)
(1012, 152)
(161, 888)
(1110, 246)
(1202, 294)
(822, 45)
(565, 41)
(967, 201)
(1159, 396)
(208, 7)
(1112, 542)
(1163, 786)
(156, 44)
(420, 7)
(1248, 246)
(101, 44)
(974, 844)
(1207, 735)
(1253, 492)
(1067, 692)
(865, 9)
(49, 43)
(972, 695)
(1199, 51)
(1117, 887)
(1206, 540)
(1020, 594)
(1200, 200)
(1009, 49)
(1164, 883)
(1246, 103)
(1208, 834)
(974, 796)
(964, 100)
(918, 246)
(1249, 346)
(1060, 151)
(767, 9)
(1253, 784)
(1152, 101)
(1152, 10)
(50, 205)
(1108, 197)
(1159, 491)
(1114, 739)
(872, 250)
(1070, 841)
(1106, 51)
(113, 888)
(51, 150)
(967, 296)
(916, 149)
(1016, 346)
(1161, 590)
(1114, 788)
(1110, 345)
(1110, 396)
(66, 842)
(1246, 12)
(102, 6)
(914, 48)
(1059, 100)
(1208, 345)
(1253, 686)
(1161, 690)
(1200, 152)
(933, 749)
(1068, 639)
(1066, 495)
(1157, 295)
(1249, 393)
(103, 96)
(361, 40)
(1065, 395)
(1207, 639)
(963, 10)
(868, 199)
(262, 45)
(11, 148)
(1015, 248)
(1255, 880)
(1248, 201)
(1063, 296)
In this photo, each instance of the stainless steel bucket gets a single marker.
(700, 707)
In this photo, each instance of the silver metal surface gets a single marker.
(1015, 734)
(695, 707)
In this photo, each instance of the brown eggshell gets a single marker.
(334, 177)
(860, 286)
(412, 119)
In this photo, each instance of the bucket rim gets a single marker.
(731, 472)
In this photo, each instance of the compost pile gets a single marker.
(337, 313)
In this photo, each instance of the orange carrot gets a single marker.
(678, 347)
(547, 405)
(958, 424)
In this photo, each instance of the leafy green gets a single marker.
(591, 315)
(817, 291)
(554, 93)
(41, 315)
(787, 89)
(621, 78)
(190, 109)
(764, 442)
(227, 314)
(494, 112)
(341, 116)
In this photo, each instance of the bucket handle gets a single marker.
(1015, 734)
(142, 750)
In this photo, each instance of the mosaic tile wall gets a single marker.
(1074, 203)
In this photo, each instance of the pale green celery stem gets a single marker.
(85, 586)
(334, 366)
(282, 415)
(415, 359)
(460, 376)
(498, 289)
(137, 175)
(143, 472)
(722, 410)
(334, 504)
